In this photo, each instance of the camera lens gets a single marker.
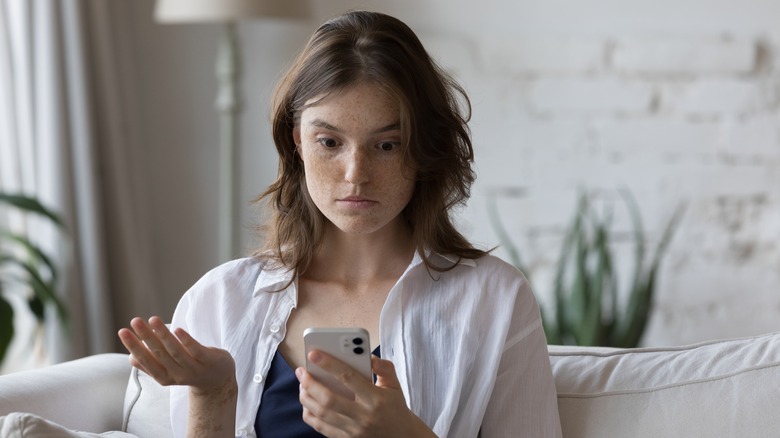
(357, 341)
(358, 350)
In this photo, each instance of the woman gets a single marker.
(374, 152)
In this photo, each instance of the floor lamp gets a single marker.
(228, 102)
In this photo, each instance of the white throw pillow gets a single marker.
(20, 425)
(147, 407)
(728, 388)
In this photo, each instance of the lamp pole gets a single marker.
(228, 105)
(228, 102)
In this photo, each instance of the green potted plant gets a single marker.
(24, 263)
(587, 307)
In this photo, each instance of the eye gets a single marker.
(327, 142)
(387, 146)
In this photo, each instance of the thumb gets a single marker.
(385, 373)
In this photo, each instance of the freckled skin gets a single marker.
(350, 144)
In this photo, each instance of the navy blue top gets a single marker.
(281, 414)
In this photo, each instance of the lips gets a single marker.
(357, 202)
(356, 199)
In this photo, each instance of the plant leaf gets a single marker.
(580, 294)
(42, 289)
(503, 235)
(560, 290)
(30, 204)
(625, 319)
(602, 285)
(640, 302)
(35, 303)
(32, 250)
(639, 235)
(6, 325)
(550, 328)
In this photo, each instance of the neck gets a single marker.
(363, 258)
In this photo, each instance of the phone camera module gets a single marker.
(358, 350)
(357, 341)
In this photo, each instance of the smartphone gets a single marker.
(348, 344)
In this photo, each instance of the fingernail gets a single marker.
(299, 372)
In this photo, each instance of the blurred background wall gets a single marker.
(677, 101)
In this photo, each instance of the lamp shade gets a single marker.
(199, 11)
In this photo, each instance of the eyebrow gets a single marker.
(319, 123)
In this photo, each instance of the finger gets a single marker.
(199, 353)
(131, 343)
(386, 376)
(194, 348)
(152, 339)
(145, 333)
(344, 373)
(140, 356)
(322, 399)
(321, 425)
(170, 343)
(151, 334)
(321, 407)
(321, 393)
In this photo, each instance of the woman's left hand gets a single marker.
(377, 411)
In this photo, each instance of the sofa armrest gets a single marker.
(85, 394)
(721, 388)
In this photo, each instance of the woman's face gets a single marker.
(353, 157)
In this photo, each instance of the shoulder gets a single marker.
(495, 265)
(234, 271)
(486, 284)
(486, 270)
(226, 292)
(491, 289)
(234, 280)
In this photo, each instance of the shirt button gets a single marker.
(274, 328)
(240, 432)
(257, 378)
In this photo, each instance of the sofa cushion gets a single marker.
(147, 407)
(716, 389)
(22, 424)
(62, 393)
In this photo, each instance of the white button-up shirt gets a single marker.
(467, 344)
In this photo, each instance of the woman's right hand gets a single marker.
(176, 358)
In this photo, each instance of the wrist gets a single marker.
(224, 391)
(420, 429)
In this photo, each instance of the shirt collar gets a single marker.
(278, 280)
(446, 260)
(273, 279)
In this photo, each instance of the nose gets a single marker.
(358, 166)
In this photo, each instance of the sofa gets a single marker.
(724, 388)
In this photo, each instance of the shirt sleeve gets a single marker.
(524, 401)
(179, 395)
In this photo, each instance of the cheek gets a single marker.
(314, 168)
(317, 176)
(400, 189)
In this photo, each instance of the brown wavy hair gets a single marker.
(372, 47)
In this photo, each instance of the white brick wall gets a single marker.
(684, 56)
(716, 97)
(590, 95)
(677, 116)
(545, 55)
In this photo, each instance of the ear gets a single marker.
(297, 139)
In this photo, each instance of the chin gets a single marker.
(359, 231)
(362, 228)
